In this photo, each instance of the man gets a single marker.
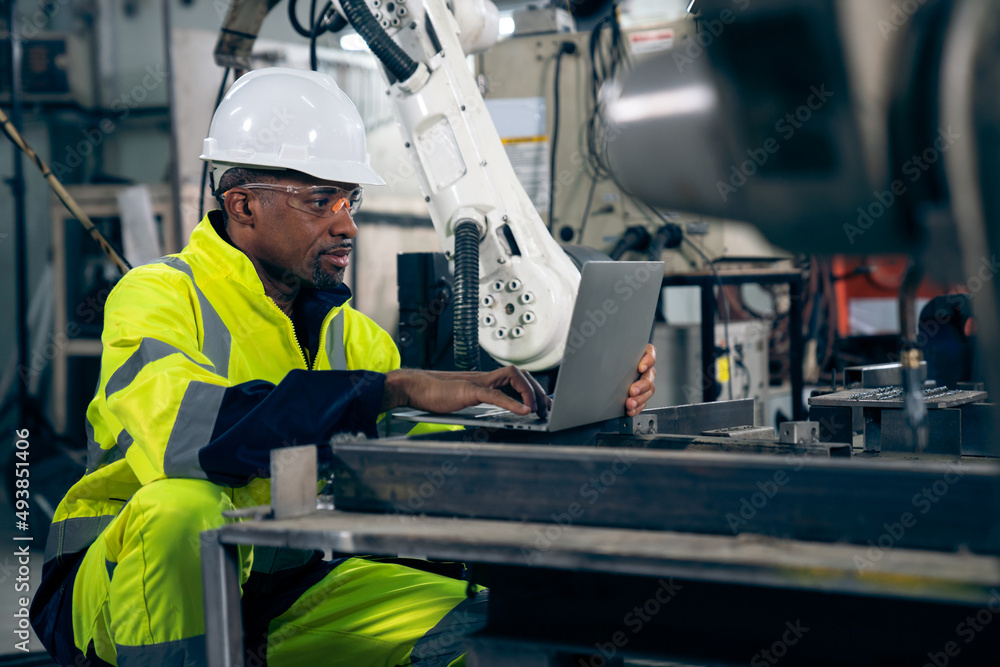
(213, 357)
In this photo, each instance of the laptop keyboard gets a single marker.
(509, 417)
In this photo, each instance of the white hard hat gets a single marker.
(283, 118)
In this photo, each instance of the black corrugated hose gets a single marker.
(387, 51)
(466, 317)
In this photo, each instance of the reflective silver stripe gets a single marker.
(94, 450)
(97, 456)
(108, 456)
(192, 430)
(218, 340)
(335, 343)
(124, 441)
(444, 642)
(149, 350)
(188, 652)
(74, 534)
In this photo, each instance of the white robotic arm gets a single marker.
(526, 282)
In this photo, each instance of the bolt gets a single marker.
(501, 260)
(483, 163)
(505, 218)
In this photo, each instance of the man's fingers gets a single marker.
(641, 386)
(637, 404)
(648, 358)
(642, 389)
(640, 399)
(525, 385)
(644, 383)
(500, 399)
(542, 402)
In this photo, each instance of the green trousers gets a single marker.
(137, 597)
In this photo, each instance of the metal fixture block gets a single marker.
(799, 432)
(294, 472)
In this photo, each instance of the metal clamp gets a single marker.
(644, 423)
(799, 433)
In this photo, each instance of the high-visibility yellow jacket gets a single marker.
(202, 375)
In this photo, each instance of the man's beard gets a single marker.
(323, 279)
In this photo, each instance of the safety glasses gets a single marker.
(323, 201)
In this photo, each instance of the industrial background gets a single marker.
(817, 469)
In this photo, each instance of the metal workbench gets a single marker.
(561, 589)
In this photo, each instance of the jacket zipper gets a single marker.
(323, 331)
(291, 325)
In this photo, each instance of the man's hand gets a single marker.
(448, 392)
(642, 389)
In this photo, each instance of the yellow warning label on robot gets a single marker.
(722, 369)
(522, 140)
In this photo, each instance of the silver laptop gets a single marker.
(607, 336)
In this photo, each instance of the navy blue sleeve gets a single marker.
(305, 408)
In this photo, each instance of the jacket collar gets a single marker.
(210, 240)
